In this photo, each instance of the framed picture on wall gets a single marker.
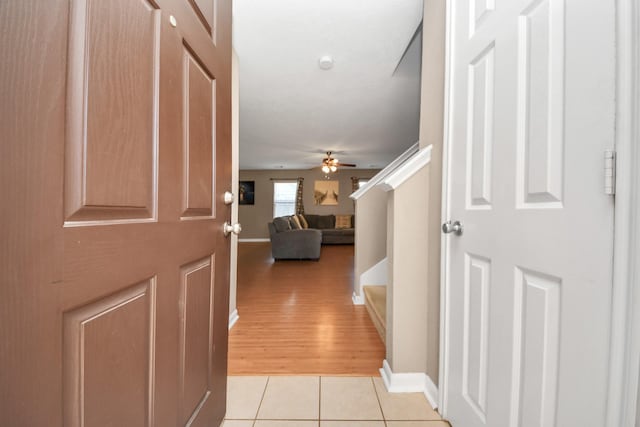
(246, 193)
(326, 192)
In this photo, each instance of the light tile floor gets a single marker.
(306, 401)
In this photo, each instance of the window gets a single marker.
(284, 198)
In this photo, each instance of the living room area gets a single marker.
(272, 196)
(295, 277)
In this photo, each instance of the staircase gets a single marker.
(375, 299)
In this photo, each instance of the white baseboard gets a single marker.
(414, 382)
(357, 299)
(253, 240)
(431, 392)
(402, 383)
(233, 318)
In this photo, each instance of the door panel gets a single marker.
(199, 124)
(476, 333)
(536, 348)
(479, 12)
(196, 336)
(114, 307)
(112, 101)
(530, 276)
(540, 105)
(206, 10)
(108, 356)
(480, 135)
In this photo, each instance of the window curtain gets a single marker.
(354, 184)
(299, 201)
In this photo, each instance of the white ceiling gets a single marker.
(366, 108)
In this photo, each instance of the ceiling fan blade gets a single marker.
(349, 165)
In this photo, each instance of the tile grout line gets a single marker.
(264, 392)
(375, 390)
(319, 400)
(334, 419)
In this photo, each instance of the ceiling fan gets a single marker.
(329, 164)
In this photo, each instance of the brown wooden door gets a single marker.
(114, 158)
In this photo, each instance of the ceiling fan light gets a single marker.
(325, 169)
(333, 168)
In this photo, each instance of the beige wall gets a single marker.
(254, 218)
(371, 233)
(432, 87)
(431, 133)
(407, 293)
(413, 218)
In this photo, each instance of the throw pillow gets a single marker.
(281, 224)
(343, 221)
(295, 222)
(303, 221)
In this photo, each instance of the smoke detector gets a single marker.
(325, 62)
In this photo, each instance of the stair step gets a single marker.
(375, 299)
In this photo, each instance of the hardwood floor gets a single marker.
(296, 317)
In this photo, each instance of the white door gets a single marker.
(531, 111)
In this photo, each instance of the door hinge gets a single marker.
(609, 172)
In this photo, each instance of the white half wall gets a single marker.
(376, 275)
(371, 223)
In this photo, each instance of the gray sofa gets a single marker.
(331, 235)
(288, 242)
(293, 244)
